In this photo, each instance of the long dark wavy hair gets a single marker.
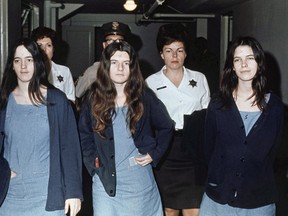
(229, 80)
(9, 80)
(103, 92)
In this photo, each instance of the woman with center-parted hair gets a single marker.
(39, 139)
(243, 128)
(124, 131)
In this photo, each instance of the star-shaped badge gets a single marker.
(193, 83)
(60, 78)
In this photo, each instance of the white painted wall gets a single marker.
(267, 21)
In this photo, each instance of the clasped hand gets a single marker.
(143, 160)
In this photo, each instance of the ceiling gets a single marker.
(168, 6)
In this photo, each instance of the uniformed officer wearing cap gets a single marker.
(113, 32)
(115, 28)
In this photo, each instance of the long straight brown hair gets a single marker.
(103, 92)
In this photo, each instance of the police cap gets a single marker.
(115, 28)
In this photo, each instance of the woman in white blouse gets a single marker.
(183, 91)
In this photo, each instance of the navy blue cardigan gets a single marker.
(241, 167)
(155, 119)
(65, 178)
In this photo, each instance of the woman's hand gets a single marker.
(13, 174)
(143, 160)
(74, 205)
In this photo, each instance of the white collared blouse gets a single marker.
(192, 94)
(62, 79)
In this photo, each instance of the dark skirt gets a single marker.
(180, 179)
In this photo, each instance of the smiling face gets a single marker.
(119, 67)
(174, 55)
(46, 45)
(244, 63)
(23, 64)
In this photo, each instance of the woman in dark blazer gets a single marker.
(39, 139)
(124, 131)
(243, 128)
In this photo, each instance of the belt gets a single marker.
(178, 133)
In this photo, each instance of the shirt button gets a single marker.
(111, 191)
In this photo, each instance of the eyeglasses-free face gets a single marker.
(120, 67)
(174, 55)
(244, 63)
(46, 45)
(23, 64)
